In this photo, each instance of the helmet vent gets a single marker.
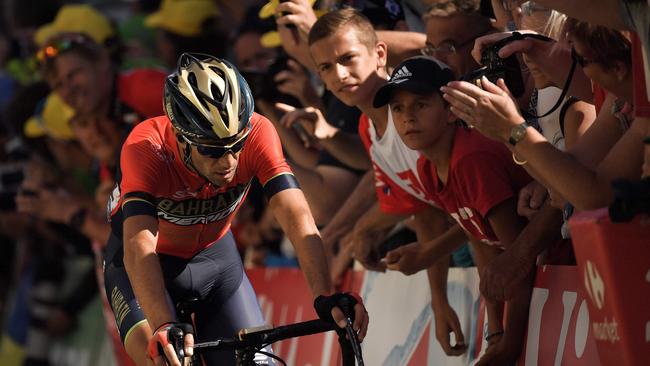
(216, 93)
(191, 78)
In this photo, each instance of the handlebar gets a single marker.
(255, 339)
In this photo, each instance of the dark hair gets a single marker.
(608, 45)
(447, 8)
(211, 41)
(336, 20)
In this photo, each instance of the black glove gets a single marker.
(345, 301)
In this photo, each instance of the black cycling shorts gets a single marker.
(227, 301)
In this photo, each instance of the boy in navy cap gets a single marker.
(471, 177)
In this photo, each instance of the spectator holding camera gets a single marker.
(610, 149)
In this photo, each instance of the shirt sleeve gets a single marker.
(270, 166)
(484, 181)
(142, 164)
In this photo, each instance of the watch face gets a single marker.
(518, 133)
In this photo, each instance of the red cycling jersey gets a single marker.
(192, 213)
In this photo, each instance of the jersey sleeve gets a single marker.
(485, 181)
(268, 162)
(141, 165)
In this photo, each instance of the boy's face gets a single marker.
(420, 120)
(348, 68)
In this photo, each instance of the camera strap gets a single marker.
(565, 89)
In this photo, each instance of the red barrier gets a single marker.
(614, 268)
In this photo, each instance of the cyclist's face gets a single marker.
(220, 171)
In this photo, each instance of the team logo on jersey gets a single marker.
(194, 211)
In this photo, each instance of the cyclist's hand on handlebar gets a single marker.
(336, 308)
(170, 342)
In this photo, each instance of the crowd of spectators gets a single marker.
(405, 167)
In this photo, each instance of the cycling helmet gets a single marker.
(206, 98)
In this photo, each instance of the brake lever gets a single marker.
(352, 335)
(354, 341)
(175, 337)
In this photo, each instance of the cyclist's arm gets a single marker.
(143, 267)
(292, 212)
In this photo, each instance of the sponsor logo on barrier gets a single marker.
(594, 285)
(606, 331)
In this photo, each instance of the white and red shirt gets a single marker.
(397, 185)
(481, 175)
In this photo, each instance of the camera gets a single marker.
(495, 67)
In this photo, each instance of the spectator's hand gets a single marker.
(505, 275)
(340, 262)
(529, 46)
(331, 236)
(531, 199)
(501, 352)
(492, 110)
(446, 322)
(556, 200)
(294, 39)
(298, 13)
(60, 323)
(365, 249)
(46, 204)
(406, 259)
(310, 118)
(295, 81)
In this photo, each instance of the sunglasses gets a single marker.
(216, 152)
(581, 60)
(55, 48)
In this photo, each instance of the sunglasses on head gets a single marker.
(54, 49)
(216, 152)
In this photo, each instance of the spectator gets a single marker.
(472, 178)
(610, 149)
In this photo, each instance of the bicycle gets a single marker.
(250, 341)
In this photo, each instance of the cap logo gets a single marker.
(400, 74)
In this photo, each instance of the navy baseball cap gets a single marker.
(420, 75)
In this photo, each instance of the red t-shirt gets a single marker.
(481, 176)
(192, 213)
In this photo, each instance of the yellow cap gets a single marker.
(269, 8)
(52, 121)
(77, 18)
(183, 17)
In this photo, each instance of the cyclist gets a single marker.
(182, 178)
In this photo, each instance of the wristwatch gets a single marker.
(518, 133)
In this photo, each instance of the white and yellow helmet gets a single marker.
(206, 98)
